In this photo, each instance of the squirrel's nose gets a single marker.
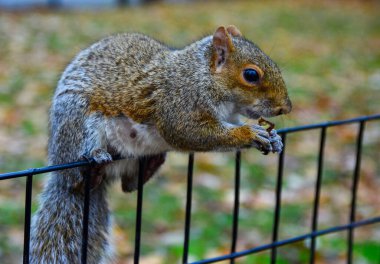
(284, 109)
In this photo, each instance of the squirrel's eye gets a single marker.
(251, 76)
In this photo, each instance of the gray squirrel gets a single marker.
(129, 95)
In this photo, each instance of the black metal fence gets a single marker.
(352, 223)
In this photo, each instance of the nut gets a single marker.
(266, 124)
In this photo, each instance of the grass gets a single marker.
(330, 57)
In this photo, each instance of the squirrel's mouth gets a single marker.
(255, 112)
(252, 114)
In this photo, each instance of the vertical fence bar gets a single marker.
(277, 211)
(86, 213)
(354, 190)
(140, 183)
(190, 167)
(235, 223)
(314, 224)
(28, 211)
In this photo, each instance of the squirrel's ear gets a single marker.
(223, 46)
(234, 31)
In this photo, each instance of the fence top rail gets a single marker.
(41, 170)
(329, 124)
(76, 164)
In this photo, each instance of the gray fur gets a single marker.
(132, 96)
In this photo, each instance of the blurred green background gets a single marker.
(329, 52)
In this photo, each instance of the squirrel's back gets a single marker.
(109, 60)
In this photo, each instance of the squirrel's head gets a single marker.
(253, 79)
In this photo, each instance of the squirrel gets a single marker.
(129, 95)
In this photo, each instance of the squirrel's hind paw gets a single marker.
(101, 156)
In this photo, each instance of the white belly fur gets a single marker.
(133, 139)
(130, 140)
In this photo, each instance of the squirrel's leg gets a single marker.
(129, 178)
(95, 144)
(207, 133)
(95, 147)
(246, 136)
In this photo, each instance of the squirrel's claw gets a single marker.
(101, 156)
(267, 142)
(262, 140)
(275, 141)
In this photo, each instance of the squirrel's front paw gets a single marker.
(262, 139)
(275, 141)
(101, 156)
